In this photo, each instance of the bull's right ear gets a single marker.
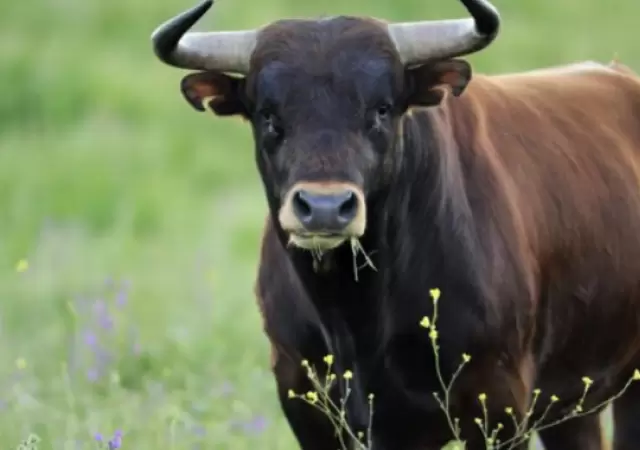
(429, 82)
(220, 92)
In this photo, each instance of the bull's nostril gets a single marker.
(301, 207)
(348, 208)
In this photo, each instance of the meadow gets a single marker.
(130, 224)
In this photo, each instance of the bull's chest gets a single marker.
(389, 380)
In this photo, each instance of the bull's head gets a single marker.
(324, 98)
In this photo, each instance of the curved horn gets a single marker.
(225, 51)
(418, 42)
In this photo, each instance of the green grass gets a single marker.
(106, 173)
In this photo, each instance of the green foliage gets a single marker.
(105, 172)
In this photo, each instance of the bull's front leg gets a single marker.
(496, 402)
(312, 428)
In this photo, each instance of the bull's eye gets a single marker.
(271, 130)
(378, 116)
(269, 125)
(383, 111)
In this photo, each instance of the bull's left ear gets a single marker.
(220, 92)
(428, 83)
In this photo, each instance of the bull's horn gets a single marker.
(418, 42)
(224, 51)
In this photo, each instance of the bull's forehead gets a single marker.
(348, 56)
(320, 44)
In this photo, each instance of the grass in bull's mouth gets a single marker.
(356, 249)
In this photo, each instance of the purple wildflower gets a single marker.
(93, 374)
(121, 298)
(105, 321)
(226, 389)
(99, 307)
(116, 441)
(90, 338)
(256, 425)
(199, 430)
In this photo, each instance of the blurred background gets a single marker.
(130, 224)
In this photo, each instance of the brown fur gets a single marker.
(548, 166)
(517, 195)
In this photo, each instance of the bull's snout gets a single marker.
(323, 215)
(325, 212)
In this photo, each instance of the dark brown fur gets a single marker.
(519, 199)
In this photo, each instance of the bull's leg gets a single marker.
(626, 419)
(579, 433)
(312, 429)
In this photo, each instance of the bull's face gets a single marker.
(324, 112)
(325, 99)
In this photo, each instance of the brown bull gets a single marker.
(518, 196)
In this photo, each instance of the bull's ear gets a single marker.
(428, 83)
(221, 93)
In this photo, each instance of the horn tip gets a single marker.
(194, 12)
(209, 3)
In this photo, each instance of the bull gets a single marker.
(517, 195)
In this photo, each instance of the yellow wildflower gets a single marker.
(587, 381)
(466, 357)
(22, 265)
(435, 294)
(312, 396)
(291, 393)
(554, 398)
(482, 397)
(328, 359)
(636, 375)
(347, 375)
(425, 322)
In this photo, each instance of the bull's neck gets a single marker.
(342, 277)
(416, 226)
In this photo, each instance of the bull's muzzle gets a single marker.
(323, 215)
(320, 212)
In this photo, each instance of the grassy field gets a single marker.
(138, 220)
